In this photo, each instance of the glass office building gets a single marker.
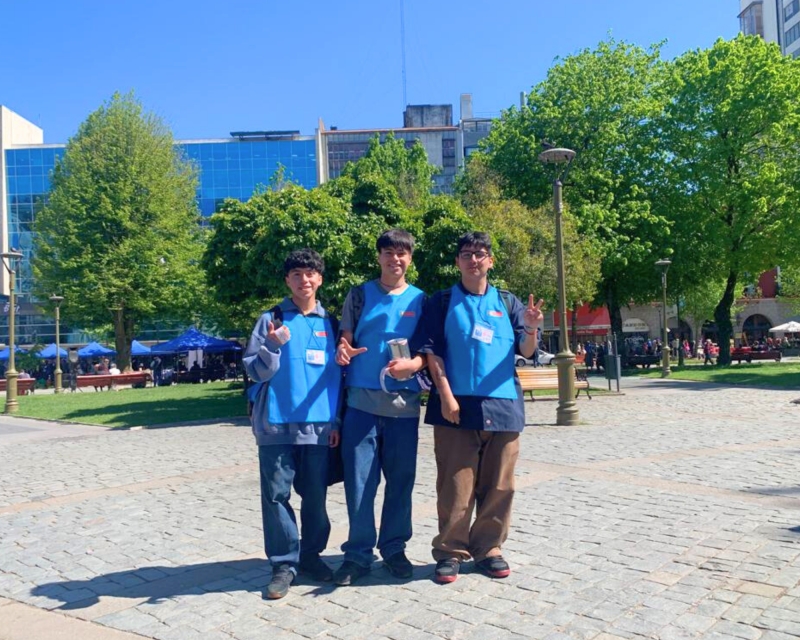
(228, 168)
(234, 169)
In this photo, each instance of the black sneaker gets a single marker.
(447, 570)
(398, 565)
(494, 567)
(316, 569)
(282, 578)
(349, 572)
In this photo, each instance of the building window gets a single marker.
(793, 34)
(751, 20)
(448, 148)
(790, 9)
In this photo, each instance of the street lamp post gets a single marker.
(663, 264)
(57, 300)
(12, 406)
(567, 412)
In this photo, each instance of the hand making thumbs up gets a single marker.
(279, 336)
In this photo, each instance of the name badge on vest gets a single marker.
(315, 356)
(483, 332)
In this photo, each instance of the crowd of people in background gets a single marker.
(212, 368)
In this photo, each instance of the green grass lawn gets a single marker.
(139, 407)
(777, 375)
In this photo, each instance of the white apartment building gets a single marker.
(774, 20)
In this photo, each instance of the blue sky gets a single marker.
(211, 67)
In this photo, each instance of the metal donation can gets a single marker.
(399, 348)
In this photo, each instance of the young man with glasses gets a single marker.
(381, 423)
(476, 409)
(295, 403)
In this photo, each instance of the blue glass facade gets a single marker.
(235, 169)
(227, 169)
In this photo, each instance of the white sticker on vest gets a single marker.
(315, 356)
(483, 333)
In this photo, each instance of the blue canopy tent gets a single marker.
(94, 349)
(194, 339)
(4, 353)
(49, 352)
(138, 349)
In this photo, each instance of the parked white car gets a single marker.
(543, 357)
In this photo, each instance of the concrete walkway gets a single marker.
(672, 511)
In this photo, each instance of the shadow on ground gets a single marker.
(157, 583)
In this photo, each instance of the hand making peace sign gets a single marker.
(533, 314)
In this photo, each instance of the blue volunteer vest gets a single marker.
(300, 391)
(476, 368)
(383, 318)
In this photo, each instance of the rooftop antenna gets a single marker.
(403, 48)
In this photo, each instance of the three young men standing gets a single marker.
(470, 335)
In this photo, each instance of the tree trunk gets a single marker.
(123, 336)
(722, 316)
(678, 332)
(574, 327)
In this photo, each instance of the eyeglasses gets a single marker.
(480, 256)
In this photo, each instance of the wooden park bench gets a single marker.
(748, 355)
(100, 381)
(24, 385)
(532, 379)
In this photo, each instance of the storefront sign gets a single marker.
(635, 325)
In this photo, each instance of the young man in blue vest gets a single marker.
(381, 423)
(474, 330)
(290, 358)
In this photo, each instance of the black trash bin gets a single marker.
(613, 367)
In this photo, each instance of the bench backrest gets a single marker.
(22, 383)
(537, 374)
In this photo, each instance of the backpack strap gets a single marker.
(358, 298)
(506, 295)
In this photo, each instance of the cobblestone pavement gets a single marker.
(672, 511)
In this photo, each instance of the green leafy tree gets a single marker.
(525, 238)
(341, 219)
(790, 286)
(250, 240)
(729, 164)
(444, 221)
(406, 169)
(597, 103)
(119, 237)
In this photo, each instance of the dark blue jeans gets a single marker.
(306, 468)
(370, 445)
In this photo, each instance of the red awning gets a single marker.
(596, 322)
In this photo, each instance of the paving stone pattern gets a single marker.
(672, 512)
